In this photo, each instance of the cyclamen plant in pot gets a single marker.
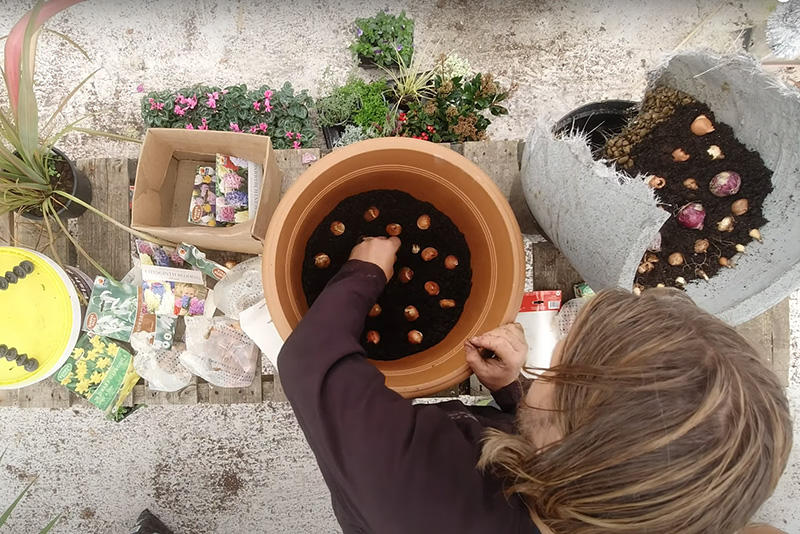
(379, 38)
(281, 114)
(36, 179)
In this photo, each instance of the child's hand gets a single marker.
(378, 250)
(510, 352)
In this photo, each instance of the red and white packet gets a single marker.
(537, 315)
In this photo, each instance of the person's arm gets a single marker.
(500, 372)
(405, 468)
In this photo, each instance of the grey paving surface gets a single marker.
(247, 468)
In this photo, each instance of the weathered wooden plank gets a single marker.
(551, 270)
(769, 332)
(8, 398)
(499, 160)
(278, 395)
(32, 234)
(7, 229)
(290, 162)
(45, 394)
(106, 243)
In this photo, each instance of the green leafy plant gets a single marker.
(456, 113)
(4, 517)
(29, 178)
(354, 133)
(337, 108)
(452, 65)
(383, 37)
(372, 107)
(282, 114)
(356, 102)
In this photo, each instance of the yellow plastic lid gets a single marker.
(40, 316)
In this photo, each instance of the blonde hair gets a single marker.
(670, 423)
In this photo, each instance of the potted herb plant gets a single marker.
(36, 179)
(380, 38)
(357, 108)
(282, 114)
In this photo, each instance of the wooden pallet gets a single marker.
(111, 246)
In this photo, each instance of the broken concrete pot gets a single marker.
(603, 221)
(428, 172)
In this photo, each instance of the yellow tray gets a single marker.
(40, 316)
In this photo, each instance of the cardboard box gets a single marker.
(165, 176)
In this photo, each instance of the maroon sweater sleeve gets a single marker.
(401, 468)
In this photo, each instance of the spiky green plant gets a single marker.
(26, 150)
(7, 513)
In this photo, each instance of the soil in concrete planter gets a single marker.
(434, 322)
(652, 154)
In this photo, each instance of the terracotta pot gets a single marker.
(428, 172)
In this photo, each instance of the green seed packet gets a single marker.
(100, 371)
(115, 310)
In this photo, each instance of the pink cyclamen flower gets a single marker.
(257, 105)
(140, 88)
(267, 94)
(267, 106)
(190, 126)
(263, 126)
(297, 135)
(253, 129)
(225, 91)
(204, 126)
(179, 110)
(212, 99)
(192, 102)
(289, 134)
(296, 144)
(235, 127)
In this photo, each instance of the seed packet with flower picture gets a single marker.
(116, 310)
(152, 254)
(203, 208)
(170, 291)
(232, 189)
(100, 371)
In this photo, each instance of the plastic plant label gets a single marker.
(115, 310)
(100, 371)
(537, 315)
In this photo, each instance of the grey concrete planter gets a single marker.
(603, 222)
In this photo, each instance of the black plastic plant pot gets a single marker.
(366, 63)
(332, 134)
(598, 121)
(81, 189)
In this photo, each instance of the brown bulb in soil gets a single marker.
(393, 229)
(322, 261)
(755, 234)
(451, 262)
(375, 311)
(691, 183)
(715, 152)
(701, 246)
(701, 125)
(424, 222)
(337, 227)
(645, 267)
(741, 248)
(740, 207)
(675, 259)
(432, 288)
(724, 261)
(411, 313)
(726, 224)
(447, 303)
(371, 214)
(415, 249)
(702, 274)
(405, 275)
(681, 281)
(429, 253)
(637, 289)
(415, 337)
(650, 258)
(656, 182)
(373, 337)
(679, 155)
(230, 264)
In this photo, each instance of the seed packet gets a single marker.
(197, 259)
(537, 315)
(152, 254)
(100, 371)
(171, 291)
(203, 207)
(115, 310)
(233, 204)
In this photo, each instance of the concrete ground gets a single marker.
(247, 468)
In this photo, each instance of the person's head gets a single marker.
(656, 418)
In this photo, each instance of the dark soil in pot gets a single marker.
(434, 322)
(652, 155)
(65, 178)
